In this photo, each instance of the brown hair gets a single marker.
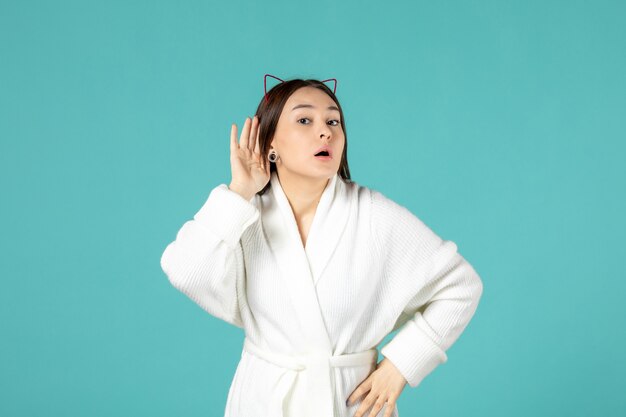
(269, 110)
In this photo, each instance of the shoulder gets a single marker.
(387, 212)
(372, 199)
(394, 222)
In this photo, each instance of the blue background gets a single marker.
(499, 124)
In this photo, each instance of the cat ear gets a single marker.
(332, 79)
(265, 83)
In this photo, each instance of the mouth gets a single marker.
(324, 153)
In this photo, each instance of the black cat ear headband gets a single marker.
(269, 75)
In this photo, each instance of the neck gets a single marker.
(303, 193)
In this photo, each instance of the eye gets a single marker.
(334, 120)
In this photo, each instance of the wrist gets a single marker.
(241, 191)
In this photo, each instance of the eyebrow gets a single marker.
(311, 106)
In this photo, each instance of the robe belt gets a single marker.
(315, 369)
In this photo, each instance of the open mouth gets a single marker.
(322, 153)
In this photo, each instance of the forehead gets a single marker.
(309, 95)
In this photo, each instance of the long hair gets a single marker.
(269, 110)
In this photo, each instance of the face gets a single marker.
(302, 131)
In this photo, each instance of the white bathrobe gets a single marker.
(314, 316)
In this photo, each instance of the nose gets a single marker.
(325, 133)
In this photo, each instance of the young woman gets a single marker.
(317, 270)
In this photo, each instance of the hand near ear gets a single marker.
(249, 172)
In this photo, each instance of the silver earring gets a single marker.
(272, 156)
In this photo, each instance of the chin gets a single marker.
(315, 172)
(325, 172)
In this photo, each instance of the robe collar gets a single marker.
(301, 268)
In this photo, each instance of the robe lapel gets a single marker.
(301, 268)
(328, 226)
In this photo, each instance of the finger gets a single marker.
(245, 132)
(360, 391)
(365, 405)
(257, 146)
(391, 405)
(253, 133)
(233, 138)
(378, 405)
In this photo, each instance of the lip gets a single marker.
(324, 148)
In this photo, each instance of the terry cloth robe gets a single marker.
(314, 316)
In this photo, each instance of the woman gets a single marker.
(317, 270)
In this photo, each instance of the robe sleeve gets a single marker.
(442, 289)
(205, 261)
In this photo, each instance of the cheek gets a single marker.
(297, 155)
(341, 147)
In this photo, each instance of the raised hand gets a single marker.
(249, 172)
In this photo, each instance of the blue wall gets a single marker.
(499, 124)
